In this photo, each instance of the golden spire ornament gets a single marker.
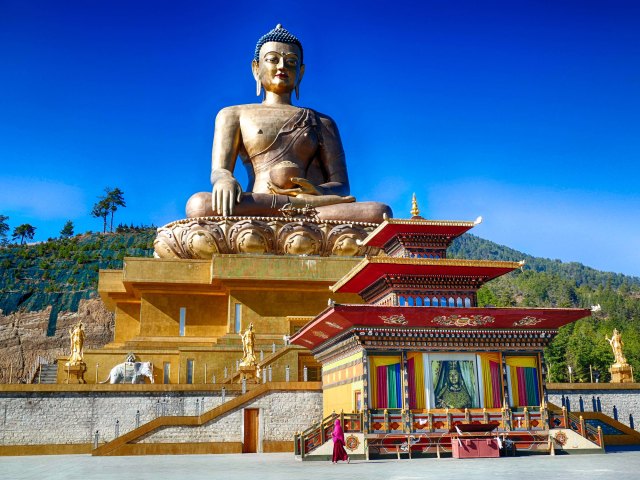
(414, 207)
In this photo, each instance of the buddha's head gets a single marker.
(277, 63)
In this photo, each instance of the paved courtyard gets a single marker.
(619, 465)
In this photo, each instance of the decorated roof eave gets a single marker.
(393, 226)
(445, 267)
(337, 319)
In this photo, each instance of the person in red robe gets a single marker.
(339, 453)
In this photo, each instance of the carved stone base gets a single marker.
(249, 372)
(75, 373)
(621, 373)
(201, 238)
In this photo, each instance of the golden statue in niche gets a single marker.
(293, 155)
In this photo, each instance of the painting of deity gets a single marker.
(454, 384)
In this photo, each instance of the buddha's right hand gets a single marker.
(226, 193)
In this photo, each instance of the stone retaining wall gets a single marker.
(618, 400)
(73, 417)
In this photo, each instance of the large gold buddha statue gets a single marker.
(293, 156)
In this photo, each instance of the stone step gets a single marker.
(48, 374)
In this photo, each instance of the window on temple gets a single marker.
(189, 370)
(166, 371)
(183, 320)
(238, 318)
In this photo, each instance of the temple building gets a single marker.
(420, 358)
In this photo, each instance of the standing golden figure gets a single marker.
(293, 156)
(248, 347)
(76, 336)
(249, 368)
(621, 371)
(616, 345)
(75, 366)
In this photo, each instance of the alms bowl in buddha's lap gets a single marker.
(282, 173)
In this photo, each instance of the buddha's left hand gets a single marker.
(305, 187)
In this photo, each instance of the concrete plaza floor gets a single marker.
(619, 465)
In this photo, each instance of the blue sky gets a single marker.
(523, 112)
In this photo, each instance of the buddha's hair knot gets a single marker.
(278, 34)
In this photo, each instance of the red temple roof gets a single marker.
(338, 318)
(369, 270)
(393, 227)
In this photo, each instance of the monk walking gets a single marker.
(339, 453)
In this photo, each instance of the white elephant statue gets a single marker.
(133, 372)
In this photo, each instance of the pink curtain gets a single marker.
(495, 384)
(383, 400)
(412, 384)
(522, 385)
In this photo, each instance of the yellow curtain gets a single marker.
(487, 381)
(418, 367)
(513, 363)
(526, 362)
(374, 363)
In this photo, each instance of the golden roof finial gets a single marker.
(414, 207)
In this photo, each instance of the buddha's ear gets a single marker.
(256, 75)
(301, 73)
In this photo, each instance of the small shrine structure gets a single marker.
(417, 364)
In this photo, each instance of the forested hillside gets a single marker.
(62, 272)
(59, 273)
(551, 283)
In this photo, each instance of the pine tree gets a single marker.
(101, 210)
(67, 230)
(4, 228)
(24, 232)
(115, 198)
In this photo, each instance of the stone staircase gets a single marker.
(46, 374)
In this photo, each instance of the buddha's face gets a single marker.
(279, 69)
(454, 377)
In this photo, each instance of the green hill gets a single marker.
(62, 272)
